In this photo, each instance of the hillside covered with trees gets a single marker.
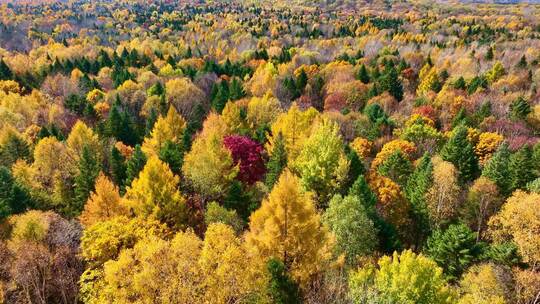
(269, 152)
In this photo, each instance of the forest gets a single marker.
(287, 152)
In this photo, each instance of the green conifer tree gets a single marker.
(459, 151)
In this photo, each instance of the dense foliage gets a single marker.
(245, 151)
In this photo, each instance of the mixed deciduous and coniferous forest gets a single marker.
(238, 152)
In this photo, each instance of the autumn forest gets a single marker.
(287, 152)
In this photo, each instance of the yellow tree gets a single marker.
(288, 227)
(53, 163)
(184, 96)
(295, 126)
(322, 163)
(443, 196)
(262, 111)
(519, 220)
(486, 284)
(103, 204)
(406, 147)
(487, 144)
(232, 117)
(230, 274)
(155, 194)
(81, 135)
(168, 128)
(155, 271)
(209, 165)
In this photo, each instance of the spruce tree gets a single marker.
(519, 109)
(13, 197)
(497, 170)
(460, 84)
(172, 154)
(114, 122)
(239, 200)
(363, 74)
(489, 54)
(390, 82)
(150, 121)
(522, 62)
(396, 167)
(134, 165)
(236, 91)
(301, 81)
(356, 166)
(459, 151)
(89, 169)
(277, 162)
(14, 148)
(417, 186)
(118, 168)
(221, 96)
(454, 249)
(281, 287)
(5, 71)
(521, 168)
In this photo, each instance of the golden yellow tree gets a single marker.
(443, 196)
(155, 271)
(487, 144)
(295, 126)
(103, 204)
(519, 220)
(168, 128)
(288, 227)
(485, 284)
(230, 274)
(209, 165)
(155, 194)
(81, 135)
(232, 117)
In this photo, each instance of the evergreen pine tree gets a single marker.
(497, 170)
(301, 81)
(460, 118)
(236, 91)
(417, 186)
(5, 71)
(172, 154)
(519, 108)
(14, 148)
(356, 166)
(128, 131)
(460, 84)
(221, 97)
(239, 200)
(13, 197)
(281, 288)
(489, 54)
(277, 162)
(363, 74)
(522, 62)
(521, 168)
(459, 151)
(150, 121)
(89, 169)
(114, 121)
(118, 168)
(134, 165)
(396, 167)
(390, 82)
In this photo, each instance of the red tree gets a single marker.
(249, 155)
